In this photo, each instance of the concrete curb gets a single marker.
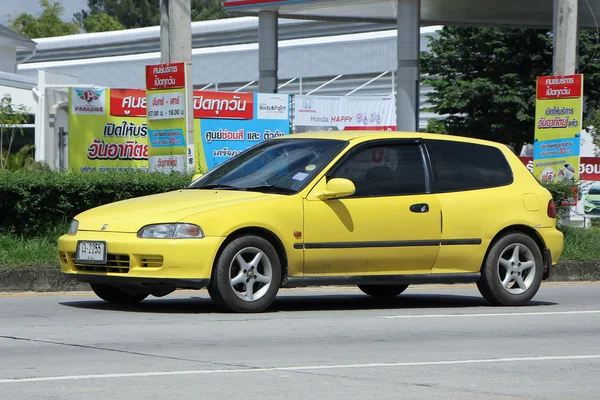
(50, 279)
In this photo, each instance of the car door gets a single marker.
(390, 225)
(471, 182)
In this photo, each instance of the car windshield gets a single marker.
(281, 166)
(594, 190)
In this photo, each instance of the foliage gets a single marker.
(485, 79)
(593, 124)
(436, 126)
(562, 193)
(47, 24)
(581, 244)
(22, 159)
(17, 251)
(34, 201)
(101, 23)
(138, 13)
(11, 117)
(204, 10)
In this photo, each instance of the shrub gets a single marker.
(33, 202)
(562, 193)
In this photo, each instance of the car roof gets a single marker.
(363, 136)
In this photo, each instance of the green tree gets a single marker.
(142, 13)
(129, 13)
(11, 117)
(203, 10)
(485, 80)
(101, 23)
(47, 24)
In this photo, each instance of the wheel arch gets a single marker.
(260, 232)
(518, 228)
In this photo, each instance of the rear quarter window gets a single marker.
(460, 166)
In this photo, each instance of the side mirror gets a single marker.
(338, 188)
(196, 177)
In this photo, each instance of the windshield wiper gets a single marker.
(270, 189)
(218, 187)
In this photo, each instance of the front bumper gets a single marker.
(131, 261)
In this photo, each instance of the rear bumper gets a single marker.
(553, 241)
(547, 255)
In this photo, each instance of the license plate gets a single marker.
(90, 252)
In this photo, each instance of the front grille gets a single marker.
(151, 261)
(116, 263)
(63, 257)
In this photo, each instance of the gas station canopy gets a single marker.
(564, 17)
(509, 13)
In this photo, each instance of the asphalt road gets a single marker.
(430, 343)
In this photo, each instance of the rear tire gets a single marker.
(512, 272)
(246, 276)
(115, 295)
(383, 291)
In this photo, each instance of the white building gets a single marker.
(17, 86)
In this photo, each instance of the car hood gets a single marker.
(130, 215)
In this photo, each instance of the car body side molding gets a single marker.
(400, 243)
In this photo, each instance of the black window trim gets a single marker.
(389, 142)
(428, 157)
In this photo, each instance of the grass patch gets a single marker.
(581, 244)
(30, 252)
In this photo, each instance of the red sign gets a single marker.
(589, 167)
(165, 76)
(223, 105)
(128, 102)
(559, 87)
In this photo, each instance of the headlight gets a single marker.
(73, 227)
(171, 231)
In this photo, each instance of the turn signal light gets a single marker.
(551, 209)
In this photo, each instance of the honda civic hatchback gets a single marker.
(378, 210)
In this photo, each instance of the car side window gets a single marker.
(458, 166)
(384, 170)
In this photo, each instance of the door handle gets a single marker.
(420, 208)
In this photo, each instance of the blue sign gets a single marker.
(556, 148)
(166, 138)
(225, 138)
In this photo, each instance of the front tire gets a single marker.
(246, 276)
(512, 272)
(382, 291)
(115, 295)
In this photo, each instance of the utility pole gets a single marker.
(176, 46)
(564, 33)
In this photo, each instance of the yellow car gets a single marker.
(378, 210)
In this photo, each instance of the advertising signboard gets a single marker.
(253, 119)
(167, 124)
(589, 185)
(332, 113)
(558, 123)
(103, 141)
(109, 128)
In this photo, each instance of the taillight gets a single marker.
(551, 209)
